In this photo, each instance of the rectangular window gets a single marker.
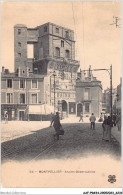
(19, 55)
(19, 44)
(57, 30)
(86, 107)
(34, 98)
(67, 54)
(66, 34)
(87, 94)
(19, 31)
(22, 83)
(62, 43)
(9, 98)
(22, 98)
(57, 51)
(9, 83)
(34, 83)
(45, 28)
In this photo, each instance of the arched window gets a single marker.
(57, 51)
(67, 54)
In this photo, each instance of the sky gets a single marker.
(97, 42)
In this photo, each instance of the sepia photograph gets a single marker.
(61, 83)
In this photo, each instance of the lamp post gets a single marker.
(111, 89)
(54, 75)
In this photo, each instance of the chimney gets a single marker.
(89, 72)
(6, 71)
(3, 69)
(82, 75)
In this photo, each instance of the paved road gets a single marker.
(77, 142)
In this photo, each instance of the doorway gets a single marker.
(64, 106)
(21, 115)
(79, 109)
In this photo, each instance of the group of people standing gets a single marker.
(106, 125)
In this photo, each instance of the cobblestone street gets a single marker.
(40, 144)
(76, 160)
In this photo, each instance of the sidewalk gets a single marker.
(116, 134)
(16, 129)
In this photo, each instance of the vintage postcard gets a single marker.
(61, 94)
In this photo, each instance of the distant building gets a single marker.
(88, 95)
(118, 102)
(106, 101)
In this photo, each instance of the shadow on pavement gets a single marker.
(77, 142)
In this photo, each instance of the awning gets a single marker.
(40, 109)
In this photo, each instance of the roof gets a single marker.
(7, 75)
(85, 83)
(20, 25)
(55, 25)
(35, 28)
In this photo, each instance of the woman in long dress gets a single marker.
(107, 129)
(56, 124)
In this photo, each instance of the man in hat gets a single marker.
(56, 124)
(92, 120)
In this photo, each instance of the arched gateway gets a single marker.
(64, 106)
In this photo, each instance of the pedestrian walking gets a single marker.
(6, 117)
(101, 118)
(56, 124)
(107, 123)
(119, 122)
(92, 120)
(81, 117)
(114, 119)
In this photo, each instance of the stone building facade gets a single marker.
(88, 95)
(20, 95)
(118, 102)
(52, 68)
(106, 100)
(53, 51)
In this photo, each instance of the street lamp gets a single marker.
(54, 75)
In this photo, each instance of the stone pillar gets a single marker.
(60, 105)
